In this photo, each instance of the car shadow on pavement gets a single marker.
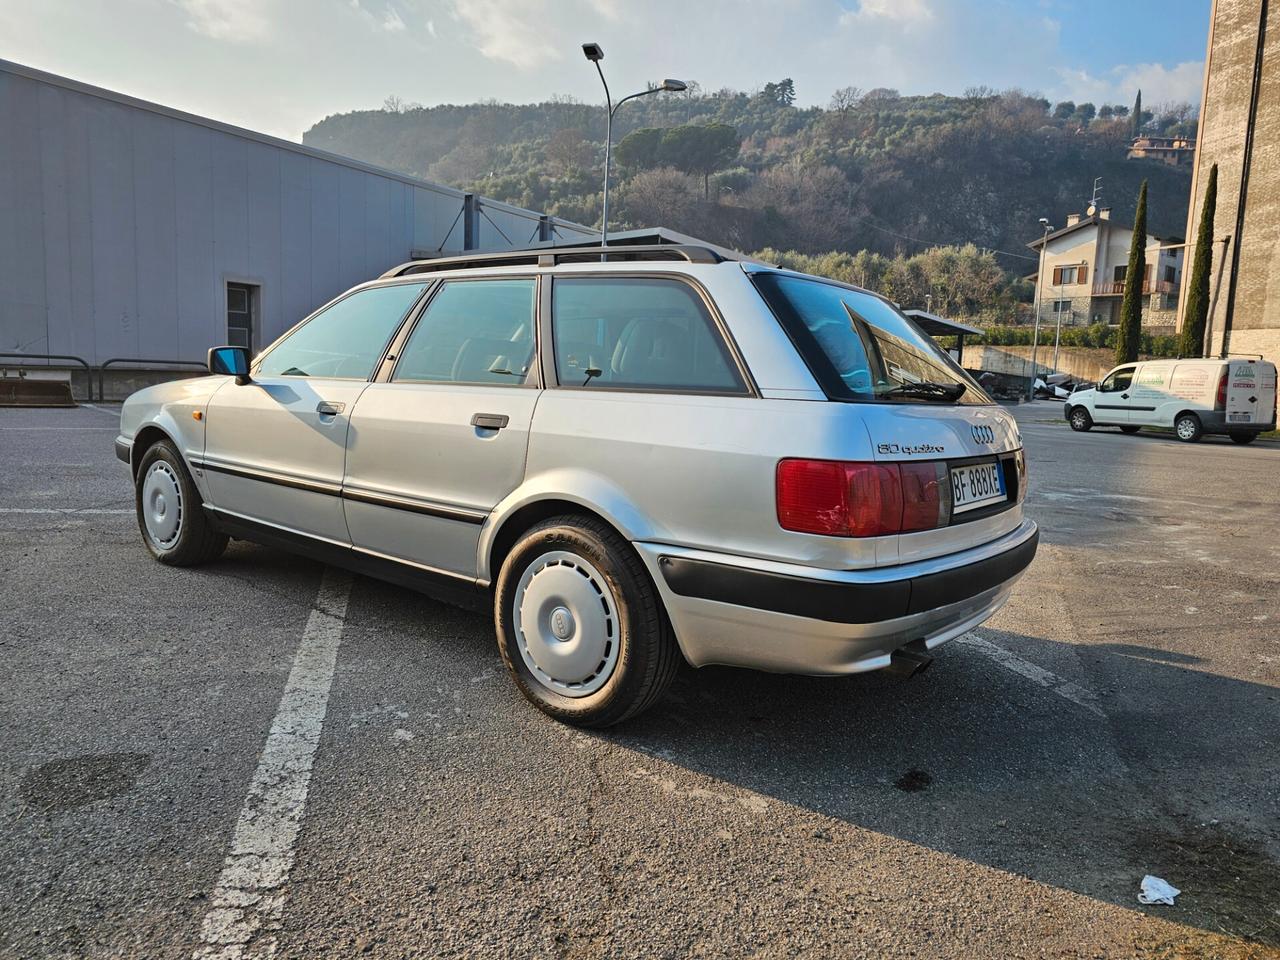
(984, 764)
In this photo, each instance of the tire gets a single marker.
(583, 664)
(1130, 429)
(1239, 437)
(170, 510)
(1080, 420)
(1187, 428)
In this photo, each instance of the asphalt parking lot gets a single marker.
(1121, 716)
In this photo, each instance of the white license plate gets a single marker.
(1239, 417)
(977, 485)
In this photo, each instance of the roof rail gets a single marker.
(551, 256)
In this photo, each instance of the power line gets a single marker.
(940, 243)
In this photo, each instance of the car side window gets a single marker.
(473, 331)
(345, 340)
(1116, 381)
(638, 333)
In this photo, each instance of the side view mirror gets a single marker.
(230, 362)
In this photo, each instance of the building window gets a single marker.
(1065, 276)
(1062, 306)
(1170, 274)
(242, 308)
(1120, 271)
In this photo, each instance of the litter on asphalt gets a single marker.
(1155, 890)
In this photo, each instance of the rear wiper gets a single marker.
(927, 390)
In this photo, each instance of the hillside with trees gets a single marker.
(874, 174)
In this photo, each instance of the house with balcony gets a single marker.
(1083, 272)
(1172, 151)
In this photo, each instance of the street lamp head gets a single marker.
(593, 52)
(673, 86)
(1044, 221)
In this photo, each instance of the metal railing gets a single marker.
(102, 367)
(1118, 287)
(88, 370)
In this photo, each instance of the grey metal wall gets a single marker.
(121, 223)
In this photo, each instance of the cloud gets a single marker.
(513, 31)
(236, 21)
(899, 11)
(1159, 84)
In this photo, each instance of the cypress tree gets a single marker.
(1129, 337)
(1191, 343)
(1136, 116)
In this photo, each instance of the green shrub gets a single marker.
(1096, 336)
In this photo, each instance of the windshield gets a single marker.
(860, 348)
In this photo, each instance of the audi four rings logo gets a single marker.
(983, 434)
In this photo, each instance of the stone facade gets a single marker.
(1252, 310)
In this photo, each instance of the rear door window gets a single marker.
(638, 333)
(473, 331)
(859, 347)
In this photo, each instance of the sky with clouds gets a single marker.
(281, 65)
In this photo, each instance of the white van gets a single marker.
(1233, 397)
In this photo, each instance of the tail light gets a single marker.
(1221, 403)
(840, 499)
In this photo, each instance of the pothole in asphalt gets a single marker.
(913, 781)
(75, 781)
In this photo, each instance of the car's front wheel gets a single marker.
(580, 624)
(170, 511)
(1080, 419)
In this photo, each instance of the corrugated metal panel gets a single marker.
(121, 223)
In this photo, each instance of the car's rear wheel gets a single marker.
(1130, 429)
(580, 624)
(1080, 419)
(1240, 437)
(1187, 428)
(170, 511)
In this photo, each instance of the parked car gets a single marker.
(669, 454)
(1236, 397)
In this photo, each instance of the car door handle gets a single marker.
(327, 408)
(1124, 396)
(490, 421)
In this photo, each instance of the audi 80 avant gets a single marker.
(636, 455)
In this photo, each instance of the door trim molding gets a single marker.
(413, 505)
(268, 476)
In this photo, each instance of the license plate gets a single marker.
(1239, 417)
(976, 485)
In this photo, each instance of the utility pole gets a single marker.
(1035, 336)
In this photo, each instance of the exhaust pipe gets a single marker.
(907, 661)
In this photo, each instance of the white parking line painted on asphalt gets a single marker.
(248, 899)
(1025, 668)
(66, 510)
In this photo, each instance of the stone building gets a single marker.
(1240, 132)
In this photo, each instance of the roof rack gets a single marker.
(551, 256)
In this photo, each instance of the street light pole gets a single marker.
(1035, 336)
(595, 53)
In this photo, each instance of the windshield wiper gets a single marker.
(927, 390)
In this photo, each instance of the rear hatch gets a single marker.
(1251, 393)
(916, 405)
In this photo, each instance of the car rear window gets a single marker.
(860, 348)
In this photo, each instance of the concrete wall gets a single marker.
(121, 223)
(1224, 121)
(1087, 363)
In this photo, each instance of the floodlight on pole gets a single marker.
(595, 53)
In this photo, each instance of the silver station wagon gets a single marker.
(636, 456)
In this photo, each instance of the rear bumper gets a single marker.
(793, 619)
(1216, 422)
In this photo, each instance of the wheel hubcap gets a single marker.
(162, 505)
(1185, 428)
(566, 624)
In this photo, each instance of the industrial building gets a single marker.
(135, 233)
(1240, 132)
